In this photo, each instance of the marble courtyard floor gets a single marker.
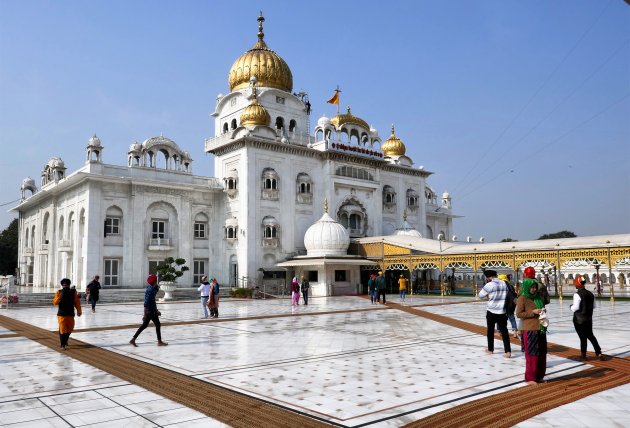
(339, 361)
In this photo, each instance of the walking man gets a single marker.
(93, 291)
(67, 299)
(380, 287)
(582, 307)
(151, 312)
(495, 291)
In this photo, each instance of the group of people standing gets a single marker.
(209, 297)
(530, 308)
(377, 288)
(296, 287)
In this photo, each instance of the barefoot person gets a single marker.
(92, 291)
(67, 299)
(151, 312)
(495, 291)
(528, 307)
(582, 307)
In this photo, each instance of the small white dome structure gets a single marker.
(326, 237)
(323, 121)
(406, 229)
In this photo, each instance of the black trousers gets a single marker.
(381, 292)
(63, 338)
(305, 296)
(585, 332)
(93, 301)
(501, 320)
(145, 323)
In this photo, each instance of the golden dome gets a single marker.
(341, 119)
(269, 69)
(255, 114)
(393, 146)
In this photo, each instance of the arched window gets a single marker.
(412, 198)
(304, 188)
(225, 127)
(292, 125)
(45, 229)
(389, 196)
(319, 135)
(233, 123)
(354, 137)
(200, 228)
(270, 184)
(60, 230)
(26, 239)
(113, 221)
(230, 229)
(270, 231)
(279, 122)
(230, 182)
(352, 215)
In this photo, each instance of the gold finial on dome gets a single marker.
(393, 146)
(405, 214)
(260, 20)
(326, 205)
(260, 61)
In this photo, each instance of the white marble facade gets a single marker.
(273, 173)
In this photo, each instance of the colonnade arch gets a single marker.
(555, 267)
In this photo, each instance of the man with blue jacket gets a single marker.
(151, 312)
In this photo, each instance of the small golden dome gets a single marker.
(267, 66)
(393, 146)
(341, 119)
(255, 114)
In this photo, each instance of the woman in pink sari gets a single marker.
(295, 292)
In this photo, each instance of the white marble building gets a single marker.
(273, 175)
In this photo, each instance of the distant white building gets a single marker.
(274, 174)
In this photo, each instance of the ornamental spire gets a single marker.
(326, 205)
(405, 214)
(260, 20)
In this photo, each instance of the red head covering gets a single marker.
(529, 272)
(152, 279)
(579, 281)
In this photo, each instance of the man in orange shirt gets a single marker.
(67, 299)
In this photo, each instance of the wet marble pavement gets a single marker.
(374, 367)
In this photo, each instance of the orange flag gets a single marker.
(335, 98)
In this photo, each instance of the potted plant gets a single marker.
(168, 272)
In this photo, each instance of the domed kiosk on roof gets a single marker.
(326, 237)
(393, 146)
(407, 229)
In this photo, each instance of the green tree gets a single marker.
(9, 248)
(508, 240)
(561, 234)
(171, 269)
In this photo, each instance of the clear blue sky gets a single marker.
(521, 108)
